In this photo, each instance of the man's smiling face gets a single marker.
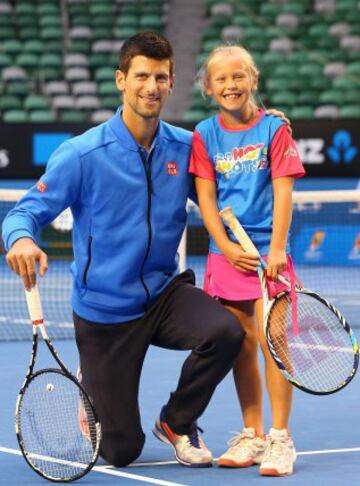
(146, 86)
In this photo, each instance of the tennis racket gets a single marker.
(320, 354)
(56, 424)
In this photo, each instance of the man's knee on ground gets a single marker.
(120, 450)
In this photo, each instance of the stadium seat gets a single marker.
(100, 116)
(15, 116)
(53, 88)
(326, 111)
(8, 102)
(72, 116)
(41, 116)
(333, 96)
(350, 111)
(84, 88)
(36, 102)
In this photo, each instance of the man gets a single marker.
(126, 182)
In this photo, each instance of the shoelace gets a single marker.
(238, 438)
(194, 438)
(276, 448)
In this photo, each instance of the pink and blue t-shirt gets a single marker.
(243, 163)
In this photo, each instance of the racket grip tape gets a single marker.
(229, 218)
(34, 305)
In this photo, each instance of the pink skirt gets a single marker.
(224, 281)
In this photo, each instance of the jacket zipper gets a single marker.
(147, 167)
(88, 261)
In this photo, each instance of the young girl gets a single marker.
(246, 159)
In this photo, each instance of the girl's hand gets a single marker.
(277, 263)
(239, 259)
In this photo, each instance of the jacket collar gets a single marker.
(122, 133)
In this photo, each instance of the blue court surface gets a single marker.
(325, 429)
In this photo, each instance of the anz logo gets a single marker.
(342, 149)
(314, 151)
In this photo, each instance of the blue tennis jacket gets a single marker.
(129, 209)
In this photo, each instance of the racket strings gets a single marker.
(57, 426)
(320, 357)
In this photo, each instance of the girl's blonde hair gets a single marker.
(227, 49)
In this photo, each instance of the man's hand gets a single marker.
(281, 115)
(22, 258)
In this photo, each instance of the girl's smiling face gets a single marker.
(230, 82)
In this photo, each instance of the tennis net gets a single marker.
(325, 240)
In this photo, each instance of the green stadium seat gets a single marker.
(17, 88)
(73, 116)
(98, 59)
(24, 9)
(101, 8)
(27, 61)
(297, 8)
(36, 102)
(28, 20)
(15, 116)
(110, 102)
(5, 19)
(346, 83)
(308, 98)
(108, 88)
(12, 46)
(5, 60)
(354, 68)
(127, 21)
(124, 32)
(284, 98)
(6, 32)
(352, 96)
(274, 85)
(80, 45)
(331, 97)
(151, 22)
(83, 19)
(50, 60)
(320, 83)
(286, 70)
(104, 21)
(99, 33)
(45, 8)
(351, 111)
(242, 20)
(49, 21)
(311, 70)
(42, 116)
(51, 33)
(105, 73)
(270, 10)
(8, 102)
(28, 33)
(34, 46)
(48, 73)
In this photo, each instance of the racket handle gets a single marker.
(229, 218)
(34, 305)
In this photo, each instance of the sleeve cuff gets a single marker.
(16, 235)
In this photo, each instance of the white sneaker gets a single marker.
(190, 449)
(245, 450)
(280, 455)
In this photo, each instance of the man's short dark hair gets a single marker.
(148, 44)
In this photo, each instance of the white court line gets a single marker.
(305, 453)
(109, 470)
